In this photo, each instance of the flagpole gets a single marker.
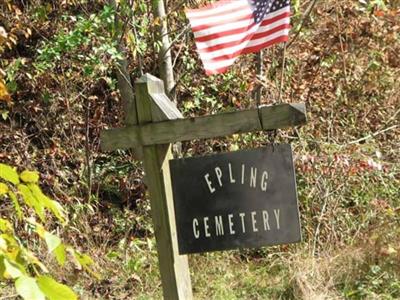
(259, 71)
(282, 72)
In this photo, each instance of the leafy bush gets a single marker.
(88, 32)
(18, 263)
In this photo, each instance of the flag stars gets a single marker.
(218, 51)
(263, 7)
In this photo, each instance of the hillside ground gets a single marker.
(344, 65)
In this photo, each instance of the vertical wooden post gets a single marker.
(174, 268)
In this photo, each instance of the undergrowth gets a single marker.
(344, 64)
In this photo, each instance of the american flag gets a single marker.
(225, 29)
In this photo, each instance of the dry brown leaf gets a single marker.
(379, 13)
(4, 95)
(3, 35)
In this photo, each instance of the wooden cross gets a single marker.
(160, 123)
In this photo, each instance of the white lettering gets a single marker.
(219, 226)
(218, 172)
(241, 215)
(230, 174)
(265, 218)
(253, 177)
(207, 178)
(276, 213)
(253, 221)
(205, 219)
(264, 179)
(231, 231)
(242, 173)
(196, 232)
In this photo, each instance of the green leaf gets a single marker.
(57, 210)
(28, 289)
(59, 253)
(38, 227)
(27, 195)
(11, 241)
(29, 176)
(31, 201)
(2, 267)
(9, 174)
(4, 114)
(85, 261)
(12, 270)
(5, 226)
(16, 204)
(3, 244)
(31, 258)
(54, 290)
(54, 206)
(3, 188)
(52, 241)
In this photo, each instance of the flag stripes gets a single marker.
(228, 28)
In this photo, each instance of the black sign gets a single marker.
(236, 200)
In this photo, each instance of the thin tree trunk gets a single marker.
(124, 82)
(165, 58)
(126, 89)
(87, 151)
(164, 55)
(123, 78)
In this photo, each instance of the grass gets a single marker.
(351, 247)
(367, 271)
(346, 157)
(349, 204)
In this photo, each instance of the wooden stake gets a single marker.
(174, 268)
(159, 124)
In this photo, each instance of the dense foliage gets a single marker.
(17, 261)
(58, 89)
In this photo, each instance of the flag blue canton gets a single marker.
(263, 7)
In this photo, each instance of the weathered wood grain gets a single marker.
(201, 127)
(174, 268)
(129, 137)
(268, 118)
(159, 124)
(272, 117)
(120, 138)
(283, 115)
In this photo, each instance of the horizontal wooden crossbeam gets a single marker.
(164, 132)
